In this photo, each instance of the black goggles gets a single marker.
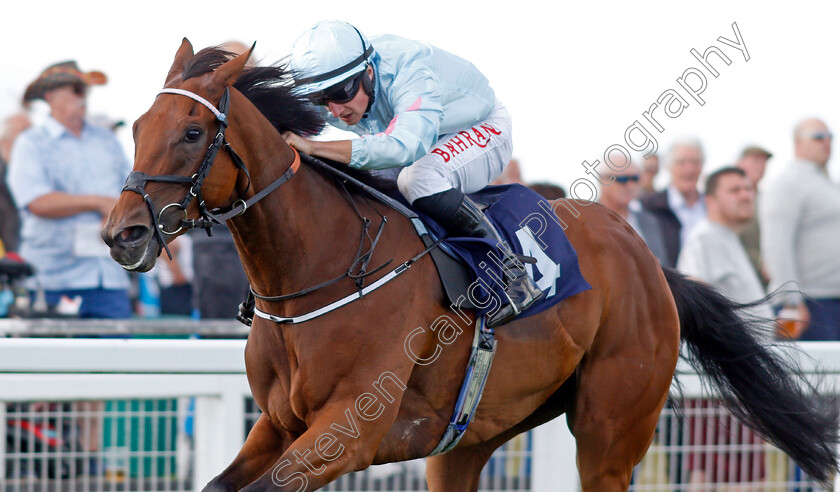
(340, 93)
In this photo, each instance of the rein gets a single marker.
(361, 259)
(248, 309)
(136, 182)
(400, 269)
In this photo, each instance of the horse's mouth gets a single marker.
(131, 261)
(135, 266)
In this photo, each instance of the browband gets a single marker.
(219, 115)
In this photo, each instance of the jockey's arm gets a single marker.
(336, 150)
(410, 133)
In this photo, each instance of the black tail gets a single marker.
(760, 386)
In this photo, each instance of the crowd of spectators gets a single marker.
(786, 228)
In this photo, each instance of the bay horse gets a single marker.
(339, 393)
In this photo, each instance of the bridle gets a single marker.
(136, 180)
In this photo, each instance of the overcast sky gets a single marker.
(574, 77)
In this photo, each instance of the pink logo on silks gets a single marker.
(414, 107)
(463, 140)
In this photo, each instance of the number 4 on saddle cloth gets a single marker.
(527, 223)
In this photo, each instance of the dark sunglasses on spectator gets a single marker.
(820, 136)
(625, 179)
(79, 90)
(341, 93)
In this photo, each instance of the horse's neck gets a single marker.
(300, 234)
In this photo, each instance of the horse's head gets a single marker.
(174, 172)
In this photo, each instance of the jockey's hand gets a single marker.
(301, 144)
(336, 150)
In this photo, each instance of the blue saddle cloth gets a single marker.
(525, 220)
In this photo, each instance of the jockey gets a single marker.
(419, 108)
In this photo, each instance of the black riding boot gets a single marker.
(462, 217)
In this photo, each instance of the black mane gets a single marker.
(270, 89)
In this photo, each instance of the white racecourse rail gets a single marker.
(213, 372)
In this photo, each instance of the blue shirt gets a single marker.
(47, 159)
(421, 92)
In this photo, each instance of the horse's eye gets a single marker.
(192, 135)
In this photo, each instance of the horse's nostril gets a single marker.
(131, 235)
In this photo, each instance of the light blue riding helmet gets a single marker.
(328, 53)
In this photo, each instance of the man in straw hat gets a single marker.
(66, 175)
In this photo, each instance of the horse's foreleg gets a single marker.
(264, 445)
(344, 438)
(316, 459)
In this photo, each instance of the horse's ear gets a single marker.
(185, 52)
(226, 74)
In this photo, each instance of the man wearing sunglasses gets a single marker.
(422, 110)
(621, 196)
(800, 234)
(65, 175)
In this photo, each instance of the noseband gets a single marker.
(136, 180)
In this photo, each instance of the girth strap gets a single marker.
(475, 377)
